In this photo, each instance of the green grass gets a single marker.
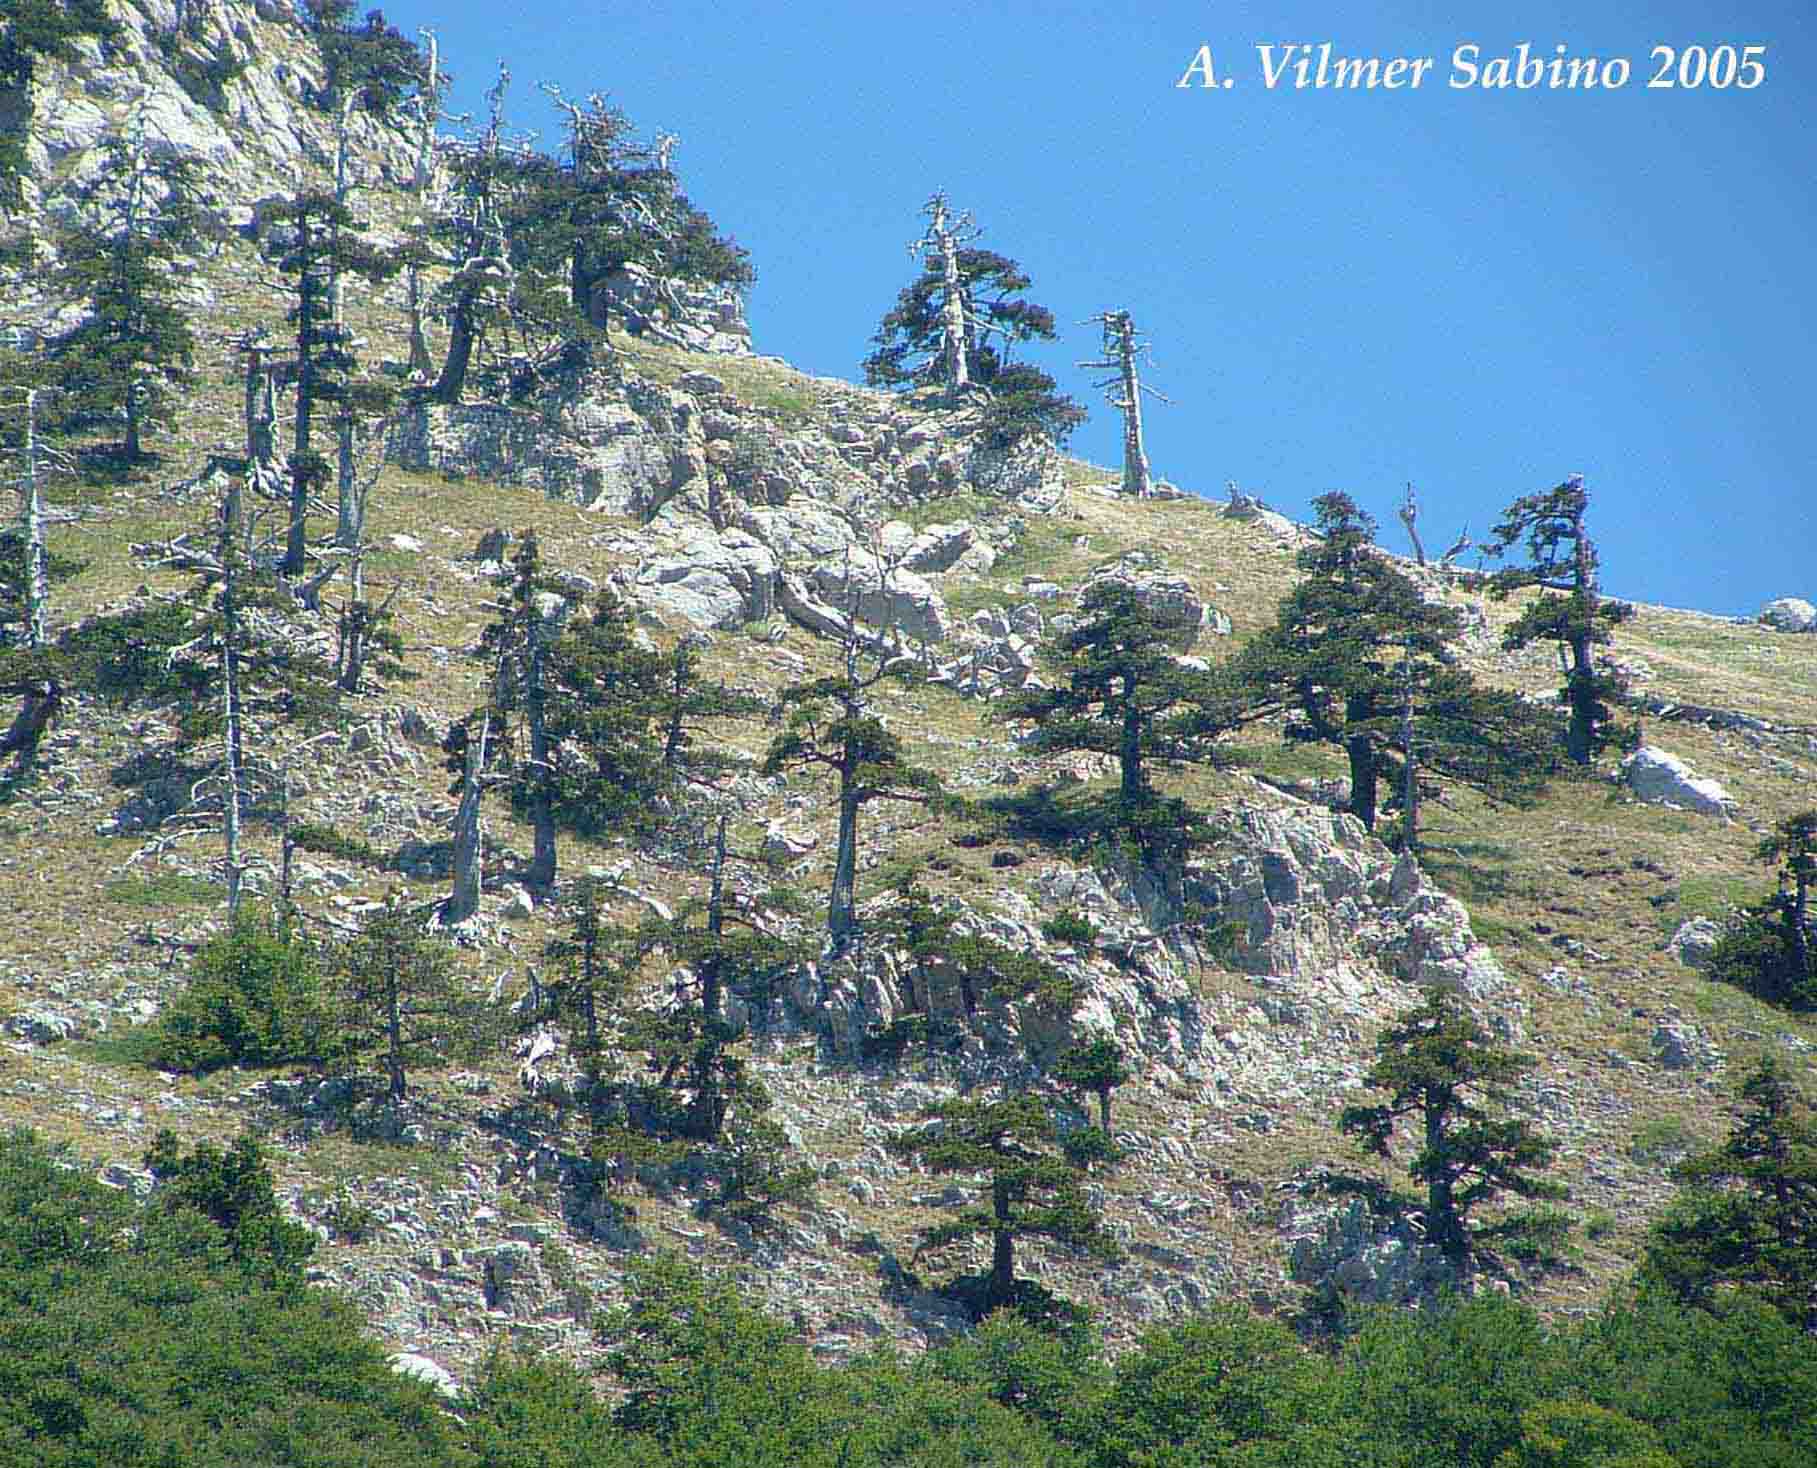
(162, 889)
(1661, 1141)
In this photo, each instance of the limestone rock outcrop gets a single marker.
(1658, 777)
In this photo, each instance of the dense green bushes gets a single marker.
(176, 1331)
(254, 998)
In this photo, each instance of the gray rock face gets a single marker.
(1790, 614)
(249, 136)
(615, 450)
(1695, 942)
(1660, 778)
(43, 1026)
(700, 318)
(1170, 598)
(1370, 1260)
(895, 600)
(723, 580)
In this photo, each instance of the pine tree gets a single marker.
(956, 324)
(1362, 661)
(1124, 693)
(1443, 1073)
(1746, 1218)
(314, 241)
(831, 727)
(1767, 948)
(1035, 1179)
(1098, 1066)
(399, 999)
(135, 343)
(1569, 611)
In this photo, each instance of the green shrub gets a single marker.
(253, 998)
(1662, 1140)
(1599, 1225)
(1073, 928)
(125, 657)
(1755, 955)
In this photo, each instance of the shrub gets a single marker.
(1753, 955)
(253, 998)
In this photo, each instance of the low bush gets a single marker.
(254, 998)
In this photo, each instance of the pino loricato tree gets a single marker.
(1570, 609)
(1768, 947)
(1746, 1216)
(314, 240)
(1034, 1176)
(1361, 660)
(955, 325)
(1446, 1076)
(135, 342)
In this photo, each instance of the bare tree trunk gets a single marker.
(37, 557)
(429, 99)
(422, 365)
(230, 693)
(840, 919)
(542, 808)
(1410, 793)
(463, 901)
(1409, 512)
(1124, 391)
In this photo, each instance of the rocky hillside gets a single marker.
(748, 506)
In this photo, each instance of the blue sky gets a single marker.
(1478, 290)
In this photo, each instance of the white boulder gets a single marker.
(1659, 777)
(1790, 614)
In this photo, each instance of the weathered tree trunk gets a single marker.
(840, 918)
(40, 707)
(1361, 750)
(1580, 739)
(310, 302)
(453, 379)
(37, 556)
(1409, 512)
(1003, 1245)
(1130, 755)
(542, 805)
(1104, 1109)
(422, 365)
(230, 692)
(347, 525)
(463, 901)
(1443, 1226)
(429, 100)
(394, 1034)
(1410, 790)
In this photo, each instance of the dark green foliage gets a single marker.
(1034, 1176)
(1770, 948)
(1445, 1075)
(1447, 1388)
(124, 657)
(312, 239)
(1098, 1067)
(927, 933)
(233, 1189)
(1124, 694)
(1569, 611)
(1729, 1386)
(373, 60)
(758, 1175)
(174, 1332)
(1072, 928)
(830, 727)
(254, 997)
(1356, 652)
(1022, 398)
(136, 343)
(398, 999)
(1227, 1389)
(1746, 1216)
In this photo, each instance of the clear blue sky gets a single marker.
(1477, 290)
